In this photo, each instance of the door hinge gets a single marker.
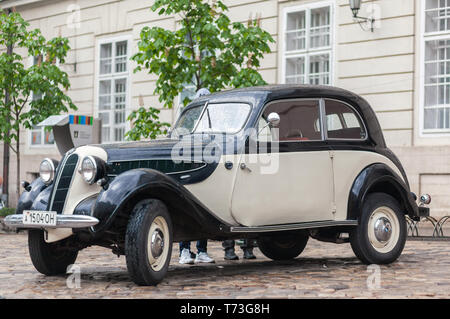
(331, 154)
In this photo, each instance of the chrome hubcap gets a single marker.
(382, 229)
(157, 243)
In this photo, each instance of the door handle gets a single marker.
(243, 166)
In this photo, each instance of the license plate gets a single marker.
(36, 217)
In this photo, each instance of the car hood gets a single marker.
(188, 148)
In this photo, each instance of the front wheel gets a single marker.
(49, 258)
(283, 247)
(381, 234)
(148, 242)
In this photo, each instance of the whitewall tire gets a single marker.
(381, 233)
(148, 242)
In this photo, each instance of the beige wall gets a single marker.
(383, 66)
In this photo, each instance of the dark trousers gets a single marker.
(227, 244)
(201, 245)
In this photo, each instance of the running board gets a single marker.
(308, 225)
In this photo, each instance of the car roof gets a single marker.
(261, 95)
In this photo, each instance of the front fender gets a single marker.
(379, 178)
(27, 198)
(130, 186)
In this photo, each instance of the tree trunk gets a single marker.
(5, 185)
(18, 164)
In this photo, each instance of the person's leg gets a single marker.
(228, 246)
(202, 256)
(185, 245)
(185, 253)
(202, 245)
(247, 248)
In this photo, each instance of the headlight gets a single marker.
(47, 170)
(92, 169)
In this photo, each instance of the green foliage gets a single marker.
(5, 211)
(207, 50)
(146, 124)
(44, 78)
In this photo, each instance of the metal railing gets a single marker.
(428, 228)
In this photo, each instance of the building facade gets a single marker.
(402, 68)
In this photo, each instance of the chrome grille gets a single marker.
(62, 182)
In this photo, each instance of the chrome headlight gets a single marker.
(92, 169)
(47, 170)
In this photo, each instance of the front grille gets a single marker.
(62, 183)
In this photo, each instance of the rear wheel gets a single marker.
(283, 247)
(148, 242)
(49, 258)
(381, 234)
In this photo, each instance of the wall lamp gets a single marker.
(355, 5)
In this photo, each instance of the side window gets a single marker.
(343, 122)
(297, 120)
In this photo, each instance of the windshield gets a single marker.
(216, 118)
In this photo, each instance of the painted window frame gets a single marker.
(424, 38)
(308, 52)
(113, 76)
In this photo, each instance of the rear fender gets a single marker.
(380, 178)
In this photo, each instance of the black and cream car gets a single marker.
(278, 164)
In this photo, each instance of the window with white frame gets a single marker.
(307, 45)
(113, 90)
(436, 103)
(38, 135)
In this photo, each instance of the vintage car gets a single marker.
(278, 164)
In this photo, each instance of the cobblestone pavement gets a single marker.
(323, 270)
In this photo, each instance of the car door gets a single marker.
(347, 136)
(287, 177)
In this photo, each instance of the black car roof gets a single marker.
(261, 95)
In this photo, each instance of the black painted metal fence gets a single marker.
(429, 228)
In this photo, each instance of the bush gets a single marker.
(5, 211)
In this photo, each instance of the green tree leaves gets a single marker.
(18, 83)
(45, 78)
(206, 50)
(147, 124)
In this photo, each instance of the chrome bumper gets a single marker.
(62, 221)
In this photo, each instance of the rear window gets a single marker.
(343, 122)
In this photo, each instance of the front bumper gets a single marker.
(62, 221)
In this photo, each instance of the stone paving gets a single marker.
(324, 270)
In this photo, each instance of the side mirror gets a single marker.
(273, 119)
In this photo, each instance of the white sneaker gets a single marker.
(203, 258)
(185, 257)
